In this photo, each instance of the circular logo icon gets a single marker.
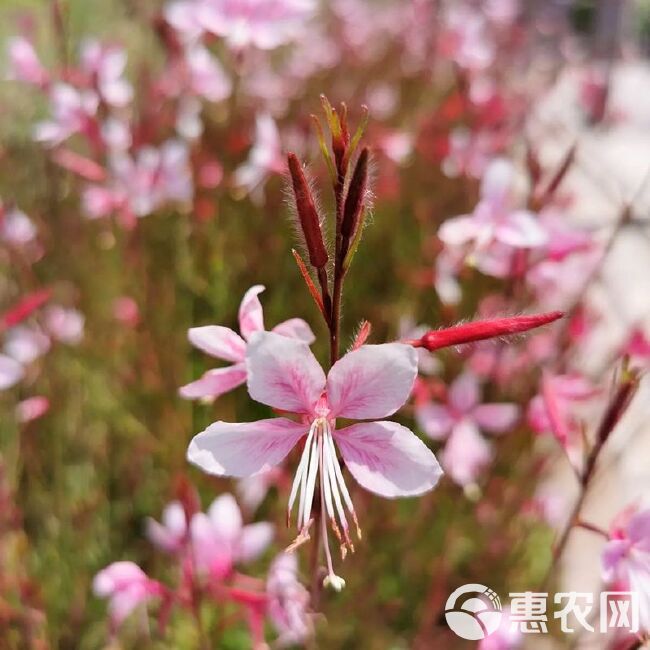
(473, 611)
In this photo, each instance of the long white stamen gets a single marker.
(344, 489)
(302, 466)
(311, 481)
(333, 483)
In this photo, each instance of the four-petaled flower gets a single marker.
(466, 452)
(369, 383)
(223, 343)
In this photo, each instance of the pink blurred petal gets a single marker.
(215, 382)
(244, 449)
(283, 373)
(226, 519)
(388, 459)
(435, 420)
(521, 229)
(465, 454)
(295, 328)
(11, 372)
(496, 417)
(32, 408)
(464, 393)
(217, 341)
(373, 381)
(255, 539)
(251, 316)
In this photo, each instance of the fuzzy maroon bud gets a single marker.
(307, 213)
(483, 329)
(355, 197)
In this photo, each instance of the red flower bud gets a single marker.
(307, 213)
(483, 329)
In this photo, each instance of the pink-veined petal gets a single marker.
(295, 328)
(217, 341)
(466, 453)
(612, 555)
(373, 381)
(521, 229)
(215, 382)
(435, 420)
(244, 448)
(388, 459)
(251, 316)
(464, 393)
(496, 418)
(283, 373)
(226, 519)
(254, 540)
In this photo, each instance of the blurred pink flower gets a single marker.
(26, 343)
(127, 587)
(73, 111)
(65, 324)
(494, 220)
(16, 228)
(24, 64)
(465, 37)
(126, 311)
(32, 408)
(553, 409)
(368, 383)
(264, 158)
(626, 557)
(220, 540)
(265, 24)
(105, 66)
(11, 372)
(171, 534)
(459, 421)
(140, 185)
(223, 343)
(288, 601)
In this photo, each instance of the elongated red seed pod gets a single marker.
(354, 199)
(483, 329)
(306, 208)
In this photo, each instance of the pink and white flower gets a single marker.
(459, 421)
(220, 540)
(127, 587)
(494, 220)
(369, 383)
(626, 557)
(225, 344)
